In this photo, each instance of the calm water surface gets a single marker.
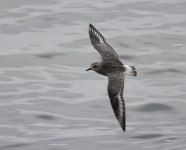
(49, 102)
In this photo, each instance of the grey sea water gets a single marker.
(49, 102)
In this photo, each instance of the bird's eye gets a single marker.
(95, 66)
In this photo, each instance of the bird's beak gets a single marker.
(88, 69)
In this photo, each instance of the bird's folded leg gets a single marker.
(130, 70)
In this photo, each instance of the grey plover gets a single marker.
(114, 69)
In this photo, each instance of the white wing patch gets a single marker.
(97, 35)
(121, 110)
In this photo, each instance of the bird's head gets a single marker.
(94, 66)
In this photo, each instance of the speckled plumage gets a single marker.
(113, 68)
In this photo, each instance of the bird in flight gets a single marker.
(114, 69)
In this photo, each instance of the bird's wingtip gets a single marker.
(123, 127)
(91, 26)
(95, 35)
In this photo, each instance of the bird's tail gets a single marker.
(131, 70)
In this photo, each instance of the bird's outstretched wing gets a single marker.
(98, 41)
(115, 92)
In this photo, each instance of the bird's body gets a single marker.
(114, 69)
